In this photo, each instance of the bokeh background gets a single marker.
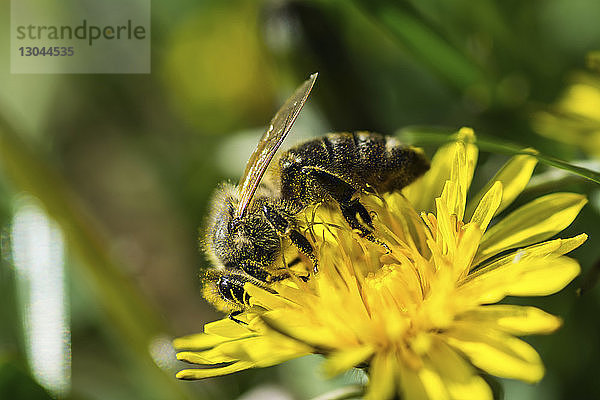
(105, 179)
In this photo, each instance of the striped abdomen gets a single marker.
(363, 160)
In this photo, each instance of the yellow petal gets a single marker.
(534, 222)
(265, 299)
(516, 320)
(467, 136)
(568, 245)
(432, 383)
(488, 206)
(459, 378)
(382, 377)
(446, 227)
(545, 278)
(264, 350)
(208, 357)
(344, 360)
(410, 384)
(301, 329)
(461, 175)
(230, 351)
(191, 374)
(538, 277)
(456, 202)
(513, 176)
(422, 193)
(465, 251)
(555, 248)
(198, 341)
(226, 328)
(497, 353)
(249, 349)
(274, 351)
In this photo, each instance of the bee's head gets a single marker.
(231, 241)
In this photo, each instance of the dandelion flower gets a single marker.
(421, 318)
(575, 117)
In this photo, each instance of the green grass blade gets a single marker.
(423, 136)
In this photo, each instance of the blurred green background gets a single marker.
(110, 175)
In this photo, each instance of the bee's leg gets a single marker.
(284, 275)
(305, 247)
(279, 277)
(282, 226)
(255, 270)
(258, 272)
(343, 193)
(232, 316)
(353, 208)
(290, 264)
(294, 262)
(261, 274)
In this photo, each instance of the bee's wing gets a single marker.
(269, 143)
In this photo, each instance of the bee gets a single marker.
(249, 223)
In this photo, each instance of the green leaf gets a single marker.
(423, 136)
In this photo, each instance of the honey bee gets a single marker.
(250, 222)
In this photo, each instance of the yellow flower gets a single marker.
(420, 319)
(575, 117)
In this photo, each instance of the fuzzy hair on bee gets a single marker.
(229, 241)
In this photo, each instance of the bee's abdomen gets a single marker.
(362, 159)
